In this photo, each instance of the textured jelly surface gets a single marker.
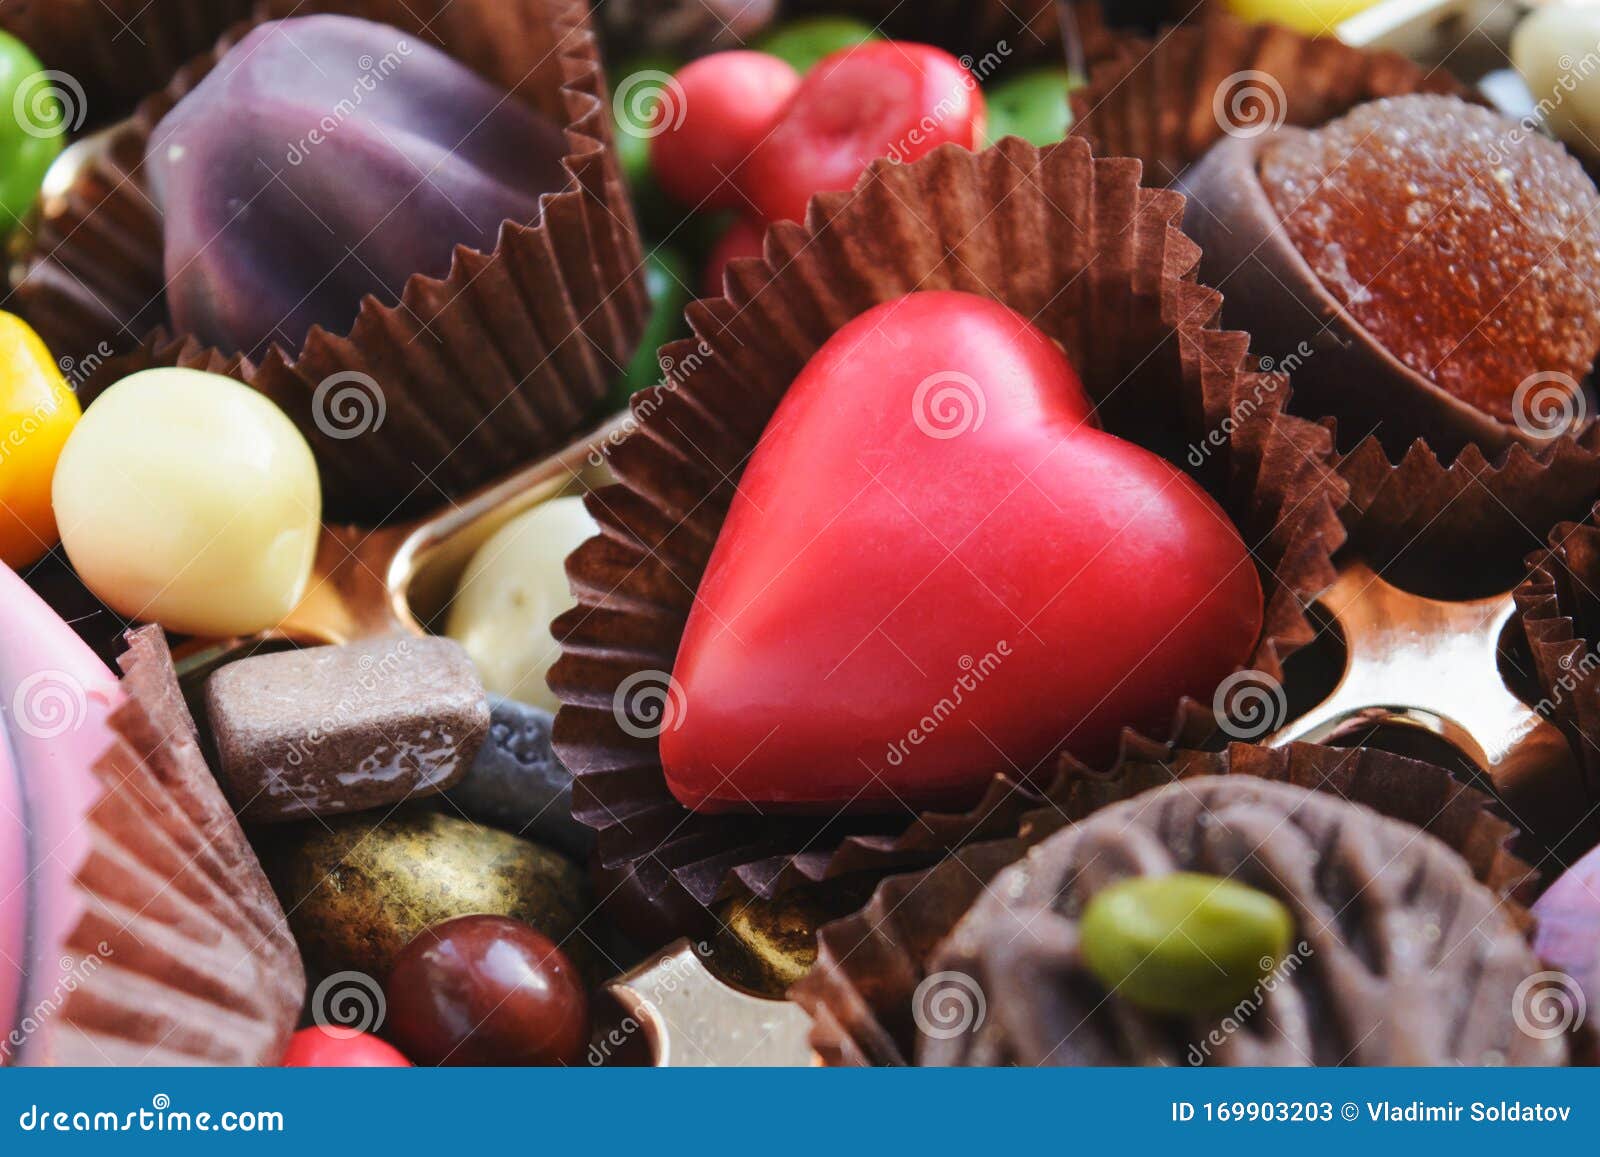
(1466, 245)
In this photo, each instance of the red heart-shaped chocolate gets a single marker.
(937, 568)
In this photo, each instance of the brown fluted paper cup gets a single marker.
(192, 959)
(1099, 264)
(859, 995)
(462, 380)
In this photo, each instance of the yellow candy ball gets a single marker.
(37, 413)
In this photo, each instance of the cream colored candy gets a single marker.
(512, 589)
(189, 500)
(1557, 51)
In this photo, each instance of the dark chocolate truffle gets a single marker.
(1468, 246)
(1399, 956)
(327, 158)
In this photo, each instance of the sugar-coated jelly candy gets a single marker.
(1466, 245)
(487, 990)
(188, 499)
(37, 413)
(327, 158)
(512, 589)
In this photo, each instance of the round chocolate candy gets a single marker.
(1421, 267)
(1398, 956)
(187, 499)
(517, 784)
(485, 990)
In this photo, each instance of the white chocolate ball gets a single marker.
(511, 591)
(1557, 51)
(188, 499)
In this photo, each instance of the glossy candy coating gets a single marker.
(485, 990)
(37, 413)
(188, 499)
(1033, 106)
(1184, 942)
(710, 119)
(1466, 246)
(324, 1048)
(267, 187)
(931, 482)
(880, 99)
(33, 129)
(511, 591)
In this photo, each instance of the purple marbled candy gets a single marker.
(326, 158)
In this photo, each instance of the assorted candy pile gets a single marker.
(929, 604)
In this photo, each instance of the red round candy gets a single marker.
(487, 990)
(341, 1048)
(880, 99)
(743, 239)
(722, 107)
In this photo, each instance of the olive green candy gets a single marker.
(666, 278)
(33, 129)
(804, 42)
(360, 888)
(1032, 106)
(1183, 943)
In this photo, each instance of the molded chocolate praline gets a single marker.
(1336, 365)
(328, 158)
